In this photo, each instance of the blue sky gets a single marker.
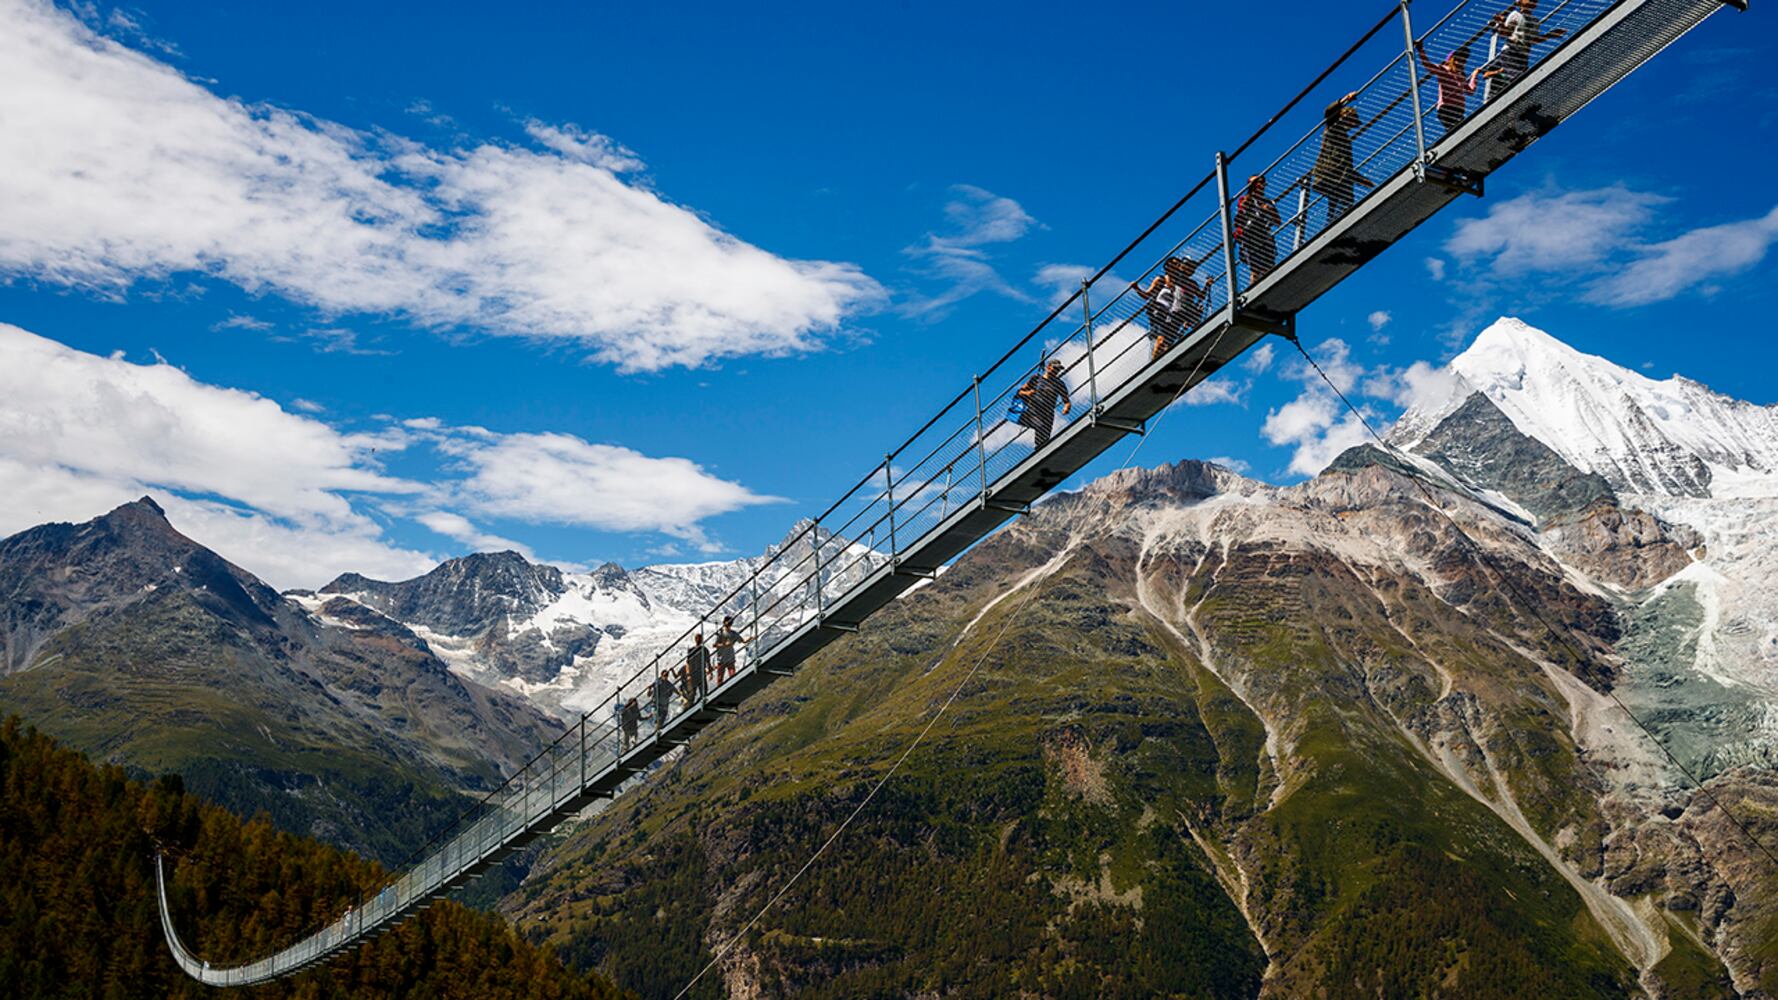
(649, 282)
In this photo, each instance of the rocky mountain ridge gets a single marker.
(132, 642)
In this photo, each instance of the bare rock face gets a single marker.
(1628, 548)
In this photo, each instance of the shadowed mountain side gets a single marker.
(135, 644)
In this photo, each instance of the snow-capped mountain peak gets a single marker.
(1674, 437)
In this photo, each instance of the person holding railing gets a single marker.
(1035, 402)
(727, 639)
(1256, 229)
(1522, 30)
(1175, 303)
(1335, 176)
(1454, 85)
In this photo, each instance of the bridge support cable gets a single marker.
(979, 461)
(1528, 602)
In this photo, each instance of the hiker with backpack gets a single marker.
(1034, 405)
(1335, 176)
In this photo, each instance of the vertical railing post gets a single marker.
(981, 439)
(944, 502)
(815, 534)
(1228, 229)
(889, 495)
(1302, 216)
(753, 586)
(1493, 52)
(1086, 312)
(583, 719)
(1407, 29)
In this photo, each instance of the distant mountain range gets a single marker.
(565, 640)
(127, 640)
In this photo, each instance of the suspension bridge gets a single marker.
(1348, 180)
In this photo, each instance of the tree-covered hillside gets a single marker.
(78, 914)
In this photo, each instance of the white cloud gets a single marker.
(307, 405)
(1599, 237)
(1213, 390)
(1548, 231)
(1316, 424)
(1418, 385)
(1259, 360)
(460, 528)
(117, 168)
(155, 424)
(285, 495)
(1378, 320)
(976, 218)
(1230, 463)
(1435, 268)
(1664, 270)
(1061, 280)
(561, 479)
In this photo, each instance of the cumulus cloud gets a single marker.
(118, 168)
(292, 498)
(561, 479)
(1061, 280)
(1378, 320)
(1316, 425)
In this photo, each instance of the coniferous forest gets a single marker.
(79, 918)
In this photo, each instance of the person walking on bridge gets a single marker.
(1522, 30)
(632, 716)
(727, 638)
(1454, 85)
(1039, 396)
(1256, 229)
(663, 698)
(1335, 176)
(1175, 303)
(697, 669)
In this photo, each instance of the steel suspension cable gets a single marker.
(1532, 606)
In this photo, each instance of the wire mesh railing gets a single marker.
(1108, 336)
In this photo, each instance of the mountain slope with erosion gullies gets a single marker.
(1233, 740)
(1226, 740)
